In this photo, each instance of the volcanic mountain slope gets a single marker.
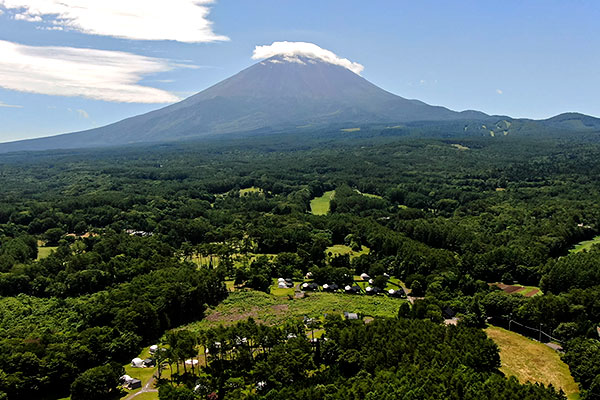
(283, 93)
(278, 93)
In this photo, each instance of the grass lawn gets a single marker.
(531, 361)
(350, 130)
(320, 205)
(343, 249)
(585, 245)
(273, 310)
(44, 252)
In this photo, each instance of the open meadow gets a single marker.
(532, 361)
(320, 205)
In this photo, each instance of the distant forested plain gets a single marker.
(105, 252)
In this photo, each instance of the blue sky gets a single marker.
(65, 68)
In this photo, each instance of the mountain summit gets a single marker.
(287, 90)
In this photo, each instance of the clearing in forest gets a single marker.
(250, 190)
(371, 195)
(531, 361)
(44, 252)
(320, 205)
(585, 245)
(341, 249)
(274, 310)
(527, 291)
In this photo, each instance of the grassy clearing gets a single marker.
(253, 189)
(585, 245)
(143, 374)
(350, 130)
(202, 261)
(531, 361)
(373, 196)
(343, 249)
(44, 252)
(320, 205)
(273, 310)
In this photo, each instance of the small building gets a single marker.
(133, 384)
(364, 277)
(153, 349)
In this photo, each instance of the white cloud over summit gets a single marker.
(292, 50)
(179, 20)
(68, 71)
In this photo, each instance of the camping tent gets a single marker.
(137, 363)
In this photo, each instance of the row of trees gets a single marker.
(403, 358)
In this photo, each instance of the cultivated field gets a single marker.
(320, 205)
(531, 361)
(527, 291)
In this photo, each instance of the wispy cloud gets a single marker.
(83, 113)
(292, 50)
(9, 105)
(179, 20)
(499, 91)
(68, 71)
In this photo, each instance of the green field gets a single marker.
(44, 252)
(343, 249)
(531, 361)
(350, 130)
(320, 205)
(585, 245)
(274, 310)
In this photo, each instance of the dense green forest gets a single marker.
(447, 217)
